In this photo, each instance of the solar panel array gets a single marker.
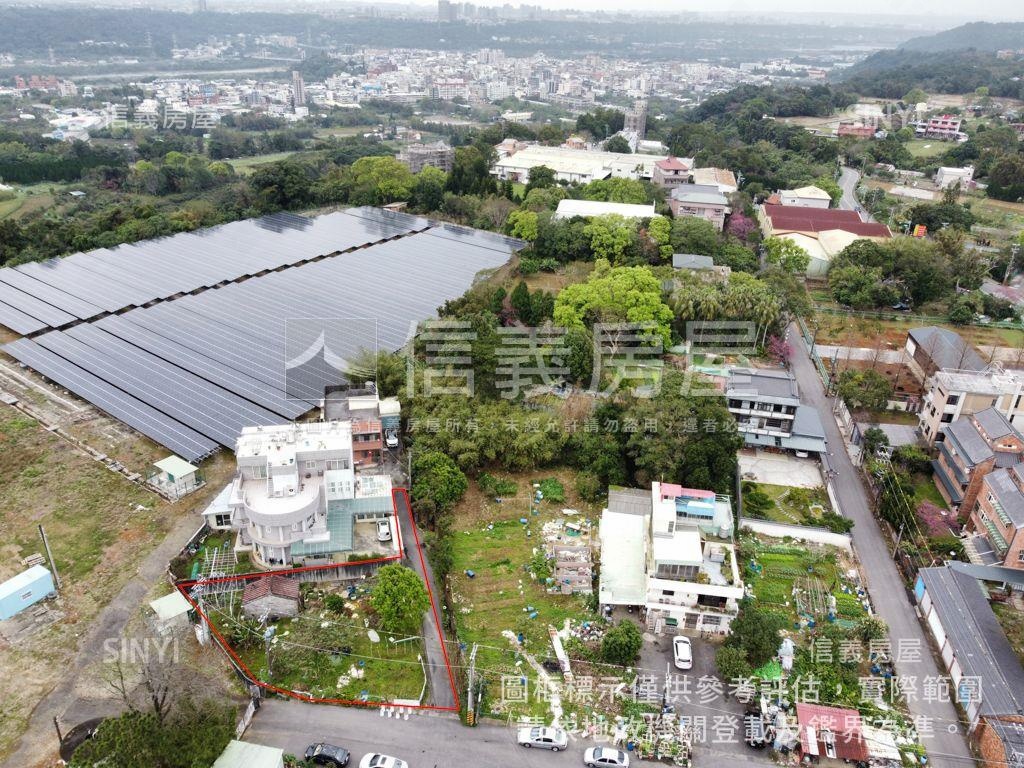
(54, 293)
(192, 371)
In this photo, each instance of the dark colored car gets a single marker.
(327, 754)
(754, 730)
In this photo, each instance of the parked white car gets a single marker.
(554, 739)
(682, 652)
(374, 760)
(383, 530)
(603, 757)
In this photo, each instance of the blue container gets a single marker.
(24, 590)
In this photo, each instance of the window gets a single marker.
(1020, 556)
(222, 521)
(668, 592)
(260, 472)
(337, 464)
(778, 442)
(311, 464)
(711, 621)
(946, 418)
(953, 400)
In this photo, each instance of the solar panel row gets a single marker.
(193, 371)
(83, 285)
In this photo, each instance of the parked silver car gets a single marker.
(554, 739)
(603, 757)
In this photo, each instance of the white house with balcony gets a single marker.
(296, 496)
(670, 551)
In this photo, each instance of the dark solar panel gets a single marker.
(157, 426)
(18, 321)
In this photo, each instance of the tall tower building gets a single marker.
(298, 89)
(636, 119)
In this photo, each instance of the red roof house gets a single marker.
(788, 218)
(272, 596)
(831, 732)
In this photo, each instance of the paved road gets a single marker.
(424, 740)
(848, 181)
(440, 693)
(885, 586)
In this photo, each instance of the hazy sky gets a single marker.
(1005, 10)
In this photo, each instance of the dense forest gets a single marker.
(891, 74)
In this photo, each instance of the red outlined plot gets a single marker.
(184, 586)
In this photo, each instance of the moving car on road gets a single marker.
(327, 754)
(602, 757)
(554, 739)
(682, 652)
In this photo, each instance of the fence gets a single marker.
(805, 532)
(815, 357)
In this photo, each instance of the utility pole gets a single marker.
(49, 556)
(470, 704)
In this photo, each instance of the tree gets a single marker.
(428, 190)
(616, 190)
(732, 664)
(871, 628)
(437, 478)
(618, 143)
(914, 97)
(399, 598)
(874, 438)
(541, 177)
(660, 231)
(386, 369)
(471, 171)
(195, 734)
(687, 436)
(523, 224)
(756, 632)
(520, 301)
(829, 184)
(610, 236)
(693, 235)
(787, 255)
(615, 295)
(621, 644)
(380, 180)
(864, 389)
(1006, 178)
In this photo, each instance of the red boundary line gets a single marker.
(184, 585)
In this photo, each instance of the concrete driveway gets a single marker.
(780, 469)
(700, 693)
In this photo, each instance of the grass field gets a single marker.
(927, 147)
(490, 540)
(1012, 622)
(857, 331)
(246, 165)
(331, 655)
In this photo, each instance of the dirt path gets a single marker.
(38, 745)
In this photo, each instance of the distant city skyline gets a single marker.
(986, 10)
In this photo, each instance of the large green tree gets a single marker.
(436, 478)
(621, 644)
(399, 598)
(615, 295)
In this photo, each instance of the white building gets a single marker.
(571, 165)
(568, 209)
(297, 495)
(805, 197)
(947, 177)
(670, 550)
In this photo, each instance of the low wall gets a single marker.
(807, 533)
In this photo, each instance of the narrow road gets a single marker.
(848, 180)
(441, 684)
(946, 744)
(424, 740)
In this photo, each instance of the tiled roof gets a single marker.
(279, 586)
(796, 219)
(672, 164)
(947, 348)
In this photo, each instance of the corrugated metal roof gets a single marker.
(978, 641)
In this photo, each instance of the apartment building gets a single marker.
(947, 177)
(952, 393)
(998, 516)
(969, 449)
(766, 404)
(298, 494)
(945, 127)
(570, 165)
(700, 201)
(672, 172)
(669, 550)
